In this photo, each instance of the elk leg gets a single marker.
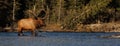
(34, 33)
(20, 33)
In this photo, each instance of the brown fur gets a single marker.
(29, 24)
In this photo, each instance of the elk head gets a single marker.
(41, 22)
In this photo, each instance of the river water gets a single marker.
(58, 39)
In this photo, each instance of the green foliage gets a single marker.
(87, 11)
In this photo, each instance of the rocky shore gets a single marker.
(104, 27)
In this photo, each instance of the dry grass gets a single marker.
(53, 27)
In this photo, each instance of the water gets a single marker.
(58, 39)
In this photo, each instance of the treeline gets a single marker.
(67, 13)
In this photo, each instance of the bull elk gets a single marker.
(29, 24)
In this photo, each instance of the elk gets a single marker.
(29, 24)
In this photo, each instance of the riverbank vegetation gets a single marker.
(64, 15)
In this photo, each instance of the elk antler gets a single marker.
(43, 14)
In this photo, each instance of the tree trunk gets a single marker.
(13, 17)
(14, 10)
(59, 12)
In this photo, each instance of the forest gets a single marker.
(64, 15)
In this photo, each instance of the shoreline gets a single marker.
(104, 27)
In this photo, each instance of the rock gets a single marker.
(112, 36)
